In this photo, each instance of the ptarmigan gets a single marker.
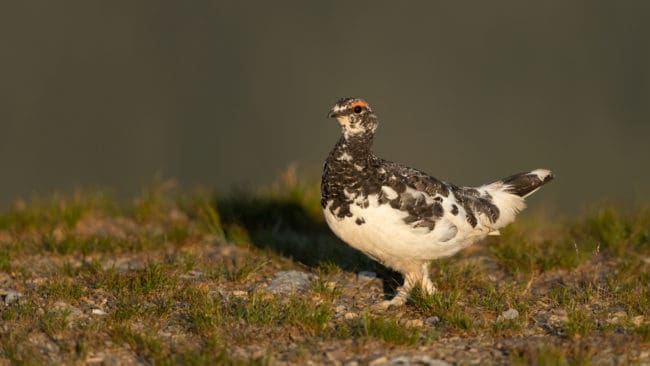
(402, 217)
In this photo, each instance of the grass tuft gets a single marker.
(388, 330)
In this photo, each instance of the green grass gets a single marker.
(387, 330)
(62, 289)
(551, 355)
(182, 276)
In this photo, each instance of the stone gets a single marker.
(336, 356)
(289, 281)
(378, 360)
(432, 320)
(63, 307)
(509, 314)
(191, 275)
(98, 312)
(617, 317)
(428, 361)
(414, 323)
(559, 318)
(340, 309)
(400, 361)
(350, 316)
(9, 296)
(366, 276)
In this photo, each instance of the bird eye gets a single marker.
(357, 109)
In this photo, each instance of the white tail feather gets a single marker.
(509, 204)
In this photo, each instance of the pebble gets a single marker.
(350, 316)
(559, 318)
(400, 361)
(414, 323)
(64, 307)
(98, 312)
(335, 356)
(426, 360)
(190, 275)
(432, 320)
(366, 276)
(509, 314)
(340, 309)
(9, 296)
(289, 281)
(378, 360)
(617, 317)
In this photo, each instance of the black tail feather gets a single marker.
(523, 184)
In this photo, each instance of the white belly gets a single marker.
(384, 235)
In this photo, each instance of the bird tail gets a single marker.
(508, 193)
(525, 184)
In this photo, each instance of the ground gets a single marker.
(256, 277)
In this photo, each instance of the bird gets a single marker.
(402, 217)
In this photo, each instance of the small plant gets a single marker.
(65, 289)
(581, 322)
(145, 345)
(204, 313)
(643, 331)
(445, 306)
(387, 330)
(55, 322)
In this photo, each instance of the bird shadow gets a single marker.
(289, 229)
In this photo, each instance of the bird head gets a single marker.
(355, 116)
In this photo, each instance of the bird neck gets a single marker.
(357, 147)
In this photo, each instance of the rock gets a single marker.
(432, 320)
(340, 309)
(637, 320)
(366, 276)
(336, 356)
(289, 281)
(191, 275)
(64, 307)
(426, 360)
(414, 323)
(98, 312)
(350, 316)
(509, 314)
(378, 360)
(400, 361)
(123, 264)
(560, 318)
(617, 317)
(9, 296)
(240, 293)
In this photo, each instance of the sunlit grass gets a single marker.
(194, 266)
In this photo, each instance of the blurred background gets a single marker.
(229, 93)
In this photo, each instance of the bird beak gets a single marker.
(334, 112)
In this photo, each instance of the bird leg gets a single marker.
(402, 294)
(427, 286)
(411, 279)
